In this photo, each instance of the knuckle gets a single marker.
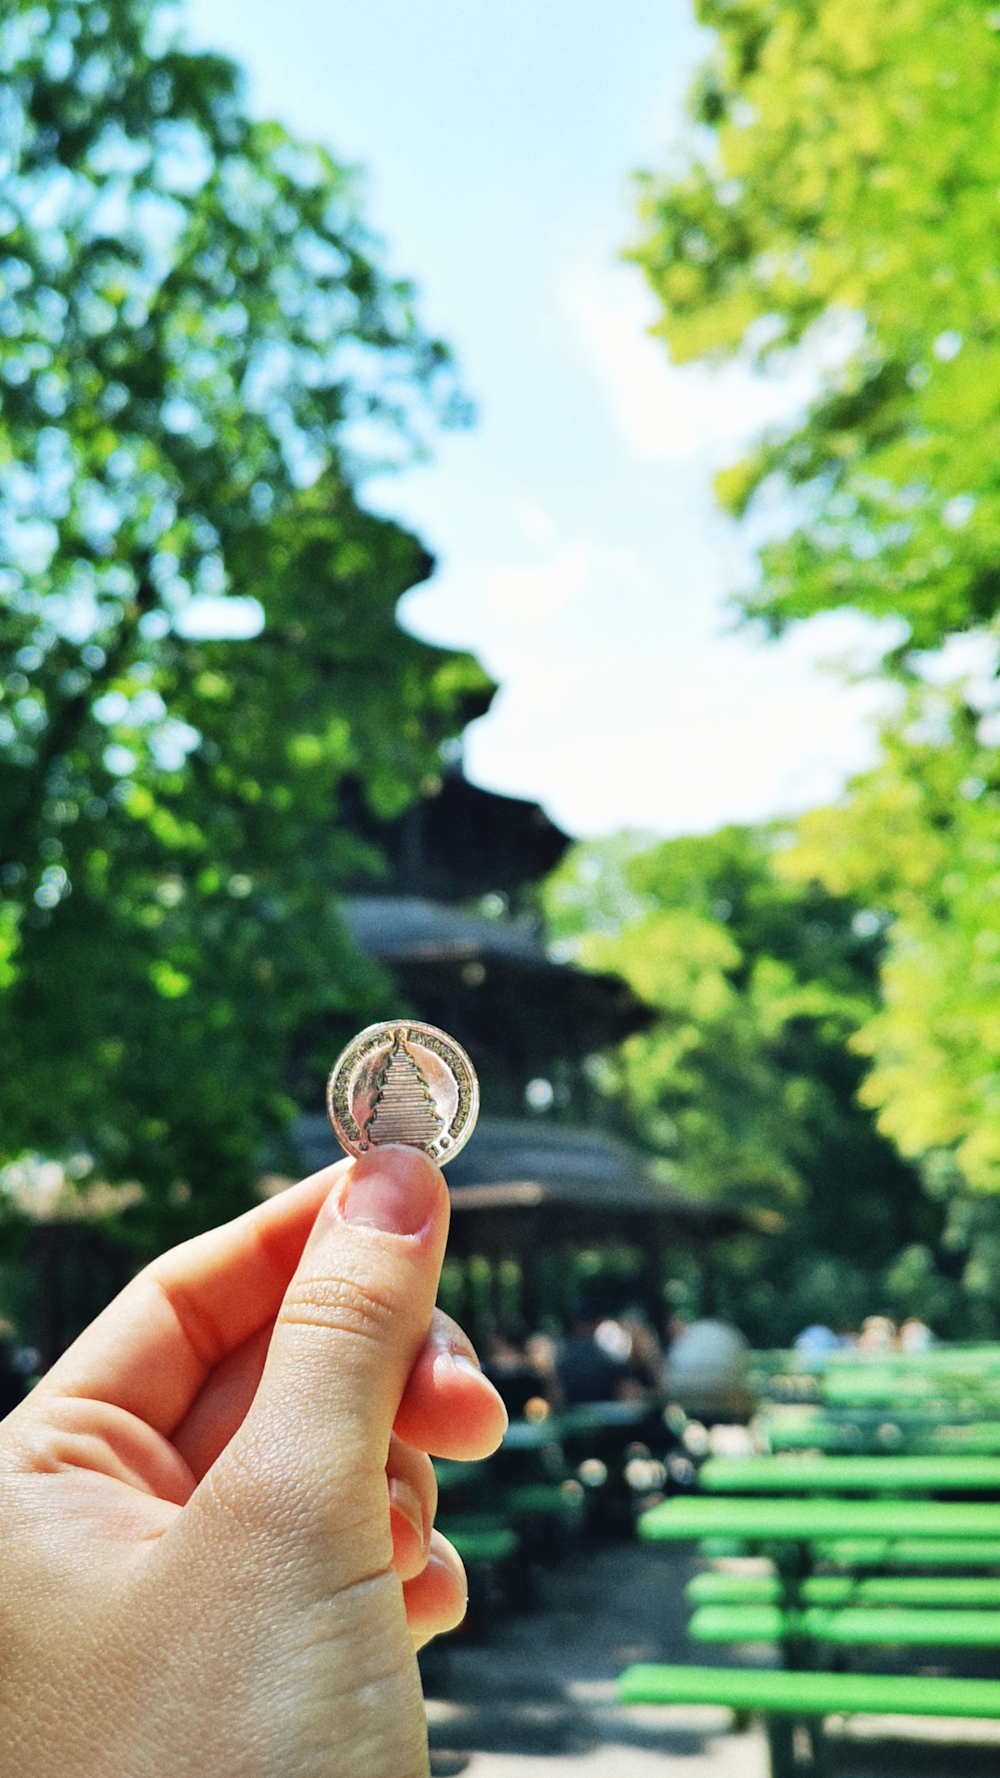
(339, 1305)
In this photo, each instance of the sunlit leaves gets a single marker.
(919, 838)
(739, 966)
(853, 167)
(744, 1087)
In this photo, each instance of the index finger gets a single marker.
(151, 1350)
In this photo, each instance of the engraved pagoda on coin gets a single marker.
(403, 1110)
(403, 1082)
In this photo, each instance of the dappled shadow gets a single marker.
(900, 1759)
(540, 1684)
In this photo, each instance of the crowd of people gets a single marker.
(600, 1358)
(877, 1334)
(619, 1358)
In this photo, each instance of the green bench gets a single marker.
(910, 1552)
(506, 1524)
(807, 1612)
(939, 1401)
(480, 1538)
(795, 1703)
(854, 1625)
(811, 1694)
(936, 1429)
(845, 1608)
(807, 1521)
(847, 1589)
(851, 1475)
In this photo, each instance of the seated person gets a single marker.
(512, 1374)
(586, 1369)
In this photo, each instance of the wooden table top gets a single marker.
(851, 1475)
(804, 1520)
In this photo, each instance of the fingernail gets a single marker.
(444, 1555)
(394, 1189)
(469, 1368)
(404, 1500)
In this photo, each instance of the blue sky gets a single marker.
(579, 553)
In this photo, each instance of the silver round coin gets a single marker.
(402, 1081)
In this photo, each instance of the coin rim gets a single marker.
(450, 1142)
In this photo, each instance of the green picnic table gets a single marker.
(585, 1419)
(795, 1694)
(951, 1357)
(898, 1387)
(808, 1613)
(712, 1588)
(932, 1429)
(800, 1608)
(807, 1521)
(530, 1435)
(852, 1475)
(872, 1517)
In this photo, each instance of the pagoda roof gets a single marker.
(512, 1164)
(456, 841)
(409, 929)
(531, 1009)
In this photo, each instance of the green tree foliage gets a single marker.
(198, 356)
(919, 840)
(745, 1086)
(845, 185)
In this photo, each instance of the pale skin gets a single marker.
(215, 1510)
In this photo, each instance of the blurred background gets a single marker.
(500, 522)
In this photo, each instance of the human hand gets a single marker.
(216, 1549)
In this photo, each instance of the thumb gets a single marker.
(311, 1452)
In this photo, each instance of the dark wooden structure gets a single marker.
(456, 842)
(491, 984)
(454, 919)
(536, 1192)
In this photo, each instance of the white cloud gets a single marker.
(540, 592)
(678, 734)
(534, 524)
(668, 412)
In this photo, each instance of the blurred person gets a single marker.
(512, 1374)
(585, 1368)
(878, 1334)
(614, 1338)
(618, 1339)
(815, 1341)
(215, 1508)
(915, 1335)
(707, 1371)
(645, 1352)
(540, 1350)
